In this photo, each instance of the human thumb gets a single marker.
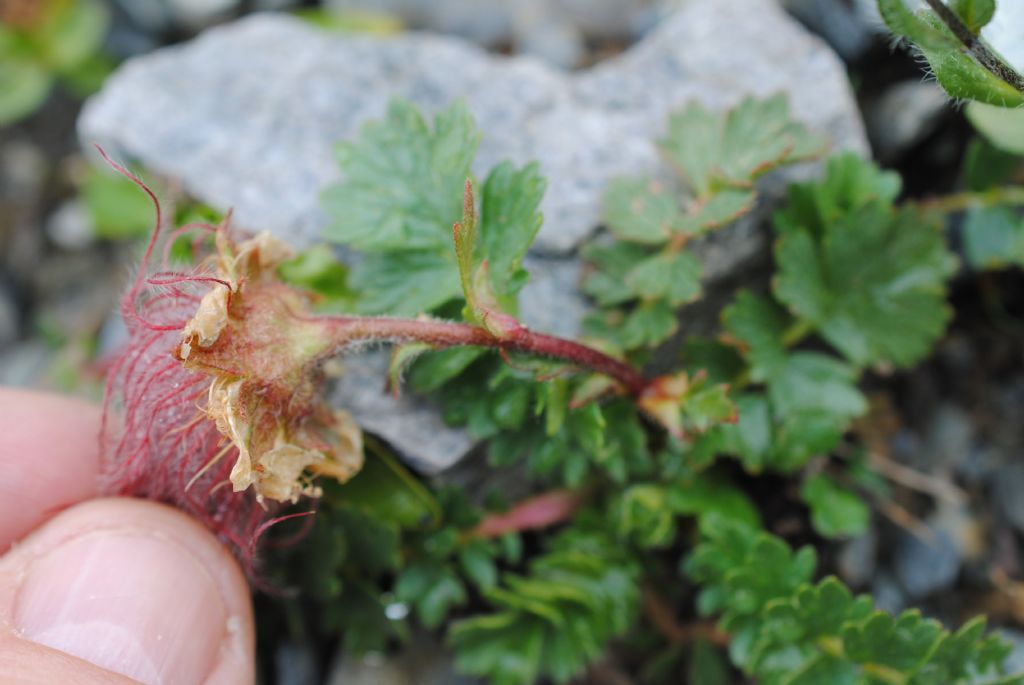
(127, 587)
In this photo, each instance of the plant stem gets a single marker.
(538, 512)
(441, 334)
(986, 58)
(799, 330)
(976, 199)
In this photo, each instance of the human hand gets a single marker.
(94, 590)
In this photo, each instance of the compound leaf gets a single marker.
(873, 283)
(404, 180)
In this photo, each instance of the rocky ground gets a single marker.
(587, 87)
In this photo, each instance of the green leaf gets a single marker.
(1002, 126)
(873, 284)
(405, 283)
(403, 186)
(641, 210)
(986, 166)
(432, 588)
(641, 515)
(386, 490)
(650, 324)
(557, 619)
(901, 643)
(974, 13)
(500, 646)
(786, 631)
(478, 564)
(317, 269)
(434, 369)
(402, 357)
(850, 183)
(904, 22)
(722, 208)
(673, 276)
(994, 238)
(713, 153)
(758, 324)
(511, 219)
(606, 283)
(465, 238)
(73, 33)
(749, 439)
(835, 511)
(812, 381)
(954, 68)
(964, 79)
(705, 494)
(24, 85)
(721, 362)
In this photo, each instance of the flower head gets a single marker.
(215, 403)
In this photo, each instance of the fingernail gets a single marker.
(137, 604)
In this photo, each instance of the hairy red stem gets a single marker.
(442, 334)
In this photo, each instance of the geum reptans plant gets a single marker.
(216, 405)
(218, 410)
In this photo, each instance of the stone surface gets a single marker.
(926, 566)
(412, 428)
(246, 116)
(906, 114)
(10, 316)
(858, 559)
(509, 22)
(1008, 488)
(848, 27)
(422, 661)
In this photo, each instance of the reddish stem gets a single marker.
(349, 329)
(537, 512)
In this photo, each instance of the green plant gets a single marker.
(949, 36)
(631, 472)
(45, 42)
(861, 277)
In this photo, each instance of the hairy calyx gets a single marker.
(258, 340)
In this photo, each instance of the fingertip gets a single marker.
(49, 458)
(137, 588)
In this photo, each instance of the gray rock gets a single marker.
(858, 559)
(926, 566)
(162, 15)
(296, 664)
(10, 316)
(904, 115)
(71, 226)
(423, 661)
(949, 438)
(500, 22)
(1008, 488)
(242, 126)
(246, 116)
(558, 43)
(25, 365)
(410, 427)
(888, 594)
(849, 31)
